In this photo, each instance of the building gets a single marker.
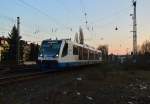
(3, 46)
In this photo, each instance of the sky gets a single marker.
(43, 19)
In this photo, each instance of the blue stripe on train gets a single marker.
(70, 64)
(58, 66)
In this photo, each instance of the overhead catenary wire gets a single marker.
(10, 19)
(112, 15)
(8, 29)
(111, 21)
(7, 18)
(84, 12)
(68, 11)
(5, 31)
(47, 15)
(42, 12)
(58, 24)
(89, 26)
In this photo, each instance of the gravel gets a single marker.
(85, 86)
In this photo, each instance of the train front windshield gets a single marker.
(50, 48)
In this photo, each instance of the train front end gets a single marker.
(49, 54)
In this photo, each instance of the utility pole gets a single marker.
(134, 28)
(18, 42)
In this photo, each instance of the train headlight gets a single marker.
(41, 55)
(56, 55)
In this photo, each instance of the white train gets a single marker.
(66, 53)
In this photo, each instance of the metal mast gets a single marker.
(18, 43)
(134, 28)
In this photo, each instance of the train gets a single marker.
(66, 53)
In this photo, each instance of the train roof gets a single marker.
(83, 45)
(74, 43)
(56, 39)
(86, 46)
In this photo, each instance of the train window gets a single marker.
(50, 47)
(65, 50)
(80, 53)
(91, 55)
(75, 50)
(85, 54)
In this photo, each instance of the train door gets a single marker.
(65, 50)
(70, 48)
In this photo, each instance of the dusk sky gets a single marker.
(43, 19)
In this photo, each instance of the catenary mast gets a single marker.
(134, 28)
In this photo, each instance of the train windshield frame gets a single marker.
(50, 48)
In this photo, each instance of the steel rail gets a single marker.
(22, 77)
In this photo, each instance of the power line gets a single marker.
(84, 12)
(7, 18)
(82, 6)
(39, 11)
(65, 7)
(43, 13)
(112, 19)
(3, 28)
(5, 31)
(31, 6)
(113, 14)
(89, 26)
(68, 11)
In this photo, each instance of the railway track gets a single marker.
(4, 69)
(25, 74)
(22, 77)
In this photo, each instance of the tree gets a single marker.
(145, 48)
(13, 41)
(22, 49)
(81, 36)
(34, 49)
(76, 39)
(104, 50)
